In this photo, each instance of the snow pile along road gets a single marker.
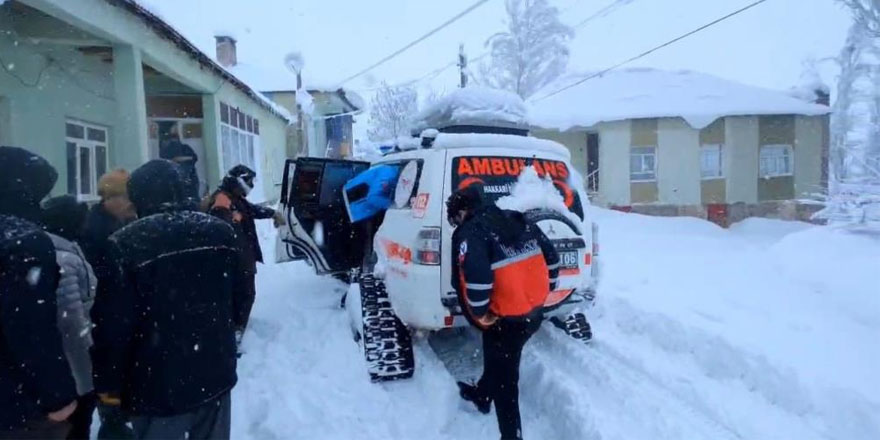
(766, 330)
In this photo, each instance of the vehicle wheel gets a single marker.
(386, 340)
(575, 325)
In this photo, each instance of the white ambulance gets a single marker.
(402, 261)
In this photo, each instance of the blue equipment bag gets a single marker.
(370, 192)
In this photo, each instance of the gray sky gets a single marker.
(765, 46)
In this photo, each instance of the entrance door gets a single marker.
(318, 228)
(593, 162)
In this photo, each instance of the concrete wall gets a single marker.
(644, 133)
(36, 111)
(678, 158)
(715, 190)
(614, 143)
(575, 141)
(810, 145)
(741, 158)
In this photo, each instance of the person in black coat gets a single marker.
(230, 203)
(164, 340)
(113, 212)
(37, 390)
(183, 155)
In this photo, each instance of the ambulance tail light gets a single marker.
(428, 247)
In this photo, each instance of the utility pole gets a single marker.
(462, 66)
(300, 124)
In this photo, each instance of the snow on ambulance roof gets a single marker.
(634, 93)
(526, 144)
(473, 106)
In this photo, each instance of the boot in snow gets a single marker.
(471, 394)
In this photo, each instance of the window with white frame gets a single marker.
(776, 160)
(643, 164)
(86, 158)
(239, 137)
(711, 161)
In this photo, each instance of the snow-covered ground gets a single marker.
(764, 331)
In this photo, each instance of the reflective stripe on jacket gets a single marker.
(505, 264)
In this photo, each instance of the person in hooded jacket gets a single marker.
(37, 390)
(505, 269)
(230, 203)
(106, 217)
(164, 341)
(64, 217)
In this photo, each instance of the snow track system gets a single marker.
(387, 343)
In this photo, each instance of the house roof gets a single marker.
(280, 79)
(635, 93)
(168, 32)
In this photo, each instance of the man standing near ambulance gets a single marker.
(505, 269)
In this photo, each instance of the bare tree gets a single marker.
(866, 14)
(391, 112)
(532, 52)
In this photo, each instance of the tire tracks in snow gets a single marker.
(612, 398)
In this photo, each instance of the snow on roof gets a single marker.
(473, 106)
(529, 145)
(634, 93)
(147, 11)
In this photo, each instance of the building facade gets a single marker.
(95, 85)
(684, 143)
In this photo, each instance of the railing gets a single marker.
(593, 181)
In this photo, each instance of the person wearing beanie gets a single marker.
(230, 203)
(106, 217)
(37, 390)
(64, 218)
(505, 269)
(164, 348)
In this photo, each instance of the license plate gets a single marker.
(568, 260)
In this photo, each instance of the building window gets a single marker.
(776, 160)
(86, 146)
(239, 137)
(711, 161)
(643, 164)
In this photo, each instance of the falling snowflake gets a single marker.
(33, 276)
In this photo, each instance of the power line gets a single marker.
(417, 41)
(652, 50)
(603, 12)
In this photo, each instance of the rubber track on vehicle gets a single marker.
(387, 343)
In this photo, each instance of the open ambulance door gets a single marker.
(318, 228)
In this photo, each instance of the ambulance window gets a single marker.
(307, 184)
(407, 186)
(335, 176)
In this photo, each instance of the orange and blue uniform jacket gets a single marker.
(504, 265)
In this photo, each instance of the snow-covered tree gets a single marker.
(391, 111)
(532, 52)
(854, 194)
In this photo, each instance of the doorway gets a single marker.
(187, 131)
(592, 162)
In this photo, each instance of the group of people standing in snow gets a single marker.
(135, 306)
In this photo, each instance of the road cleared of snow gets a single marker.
(701, 333)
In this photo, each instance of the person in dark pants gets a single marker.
(64, 218)
(106, 217)
(37, 390)
(229, 203)
(164, 344)
(506, 268)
